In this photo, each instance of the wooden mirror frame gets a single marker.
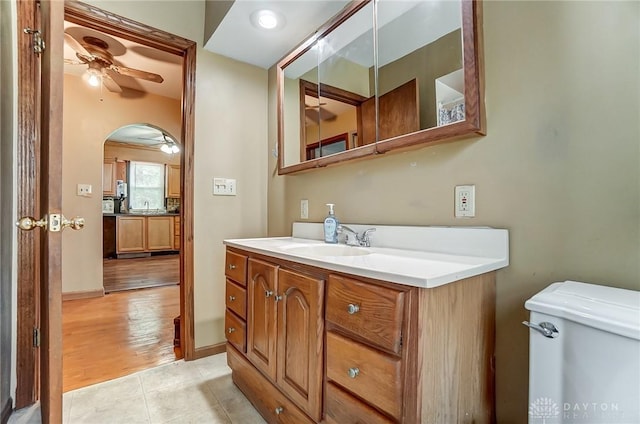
(473, 124)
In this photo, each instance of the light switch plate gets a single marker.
(84, 190)
(304, 209)
(465, 201)
(224, 186)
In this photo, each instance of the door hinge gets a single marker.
(38, 41)
(36, 337)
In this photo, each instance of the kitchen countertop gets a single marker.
(433, 260)
(142, 214)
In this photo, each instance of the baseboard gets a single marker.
(6, 411)
(86, 294)
(204, 351)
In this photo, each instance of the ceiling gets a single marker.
(141, 134)
(237, 38)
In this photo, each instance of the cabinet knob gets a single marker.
(279, 410)
(353, 372)
(352, 309)
(277, 298)
(232, 298)
(232, 266)
(268, 293)
(231, 330)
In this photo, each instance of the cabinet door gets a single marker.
(160, 233)
(173, 181)
(261, 316)
(108, 179)
(300, 330)
(131, 234)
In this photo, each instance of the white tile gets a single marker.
(67, 401)
(29, 415)
(213, 366)
(174, 375)
(216, 416)
(236, 405)
(169, 403)
(110, 411)
(120, 388)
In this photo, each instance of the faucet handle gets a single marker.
(364, 239)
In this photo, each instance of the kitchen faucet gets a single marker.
(146, 204)
(355, 239)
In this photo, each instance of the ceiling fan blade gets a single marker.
(136, 73)
(110, 84)
(326, 115)
(73, 62)
(75, 45)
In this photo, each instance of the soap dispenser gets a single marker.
(331, 226)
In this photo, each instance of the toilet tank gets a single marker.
(587, 368)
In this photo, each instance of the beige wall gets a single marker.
(559, 168)
(88, 119)
(230, 141)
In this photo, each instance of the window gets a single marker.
(146, 185)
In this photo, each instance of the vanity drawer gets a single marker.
(236, 331)
(236, 267)
(367, 310)
(365, 372)
(236, 299)
(342, 408)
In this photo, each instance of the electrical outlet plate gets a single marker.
(224, 186)
(465, 201)
(304, 209)
(84, 190)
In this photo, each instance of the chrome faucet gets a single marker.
(355, 239)
(146, 204)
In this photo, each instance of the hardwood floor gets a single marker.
(118, 334)
(136, 273)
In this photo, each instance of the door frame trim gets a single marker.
(27, 391)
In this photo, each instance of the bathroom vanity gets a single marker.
(399, 332)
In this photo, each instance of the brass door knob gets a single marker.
(76, 223)
(28, 223)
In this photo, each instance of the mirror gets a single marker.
(381, 75)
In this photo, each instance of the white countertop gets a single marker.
(420, 266)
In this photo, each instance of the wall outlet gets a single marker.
(84, 190)
(465, 201)
(304, 209)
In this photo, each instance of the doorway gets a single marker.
(45, 384)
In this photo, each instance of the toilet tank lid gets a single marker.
(607, 308)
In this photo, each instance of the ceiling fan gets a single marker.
(317, 113)
(94, 53)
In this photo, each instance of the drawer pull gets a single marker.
(232, 266)
(352, 309)
(268, 293)
(232, 298)
(353, 372)
(231, 330)
(279, 410)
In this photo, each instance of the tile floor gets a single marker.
(182, 392)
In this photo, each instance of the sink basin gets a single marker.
(328, 250)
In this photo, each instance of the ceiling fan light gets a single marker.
(175, 149)
(94, 78)
(165, 148)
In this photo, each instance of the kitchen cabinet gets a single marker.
(325, 346)
(172, 181)
(176, 233)
(131, 234)
(143, 234)
(109, 177)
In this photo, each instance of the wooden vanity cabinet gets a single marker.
(325, 347)
(236, 300)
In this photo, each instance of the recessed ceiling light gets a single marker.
(267, 19)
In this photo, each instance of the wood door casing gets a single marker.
(300, 336)
(261, 316)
